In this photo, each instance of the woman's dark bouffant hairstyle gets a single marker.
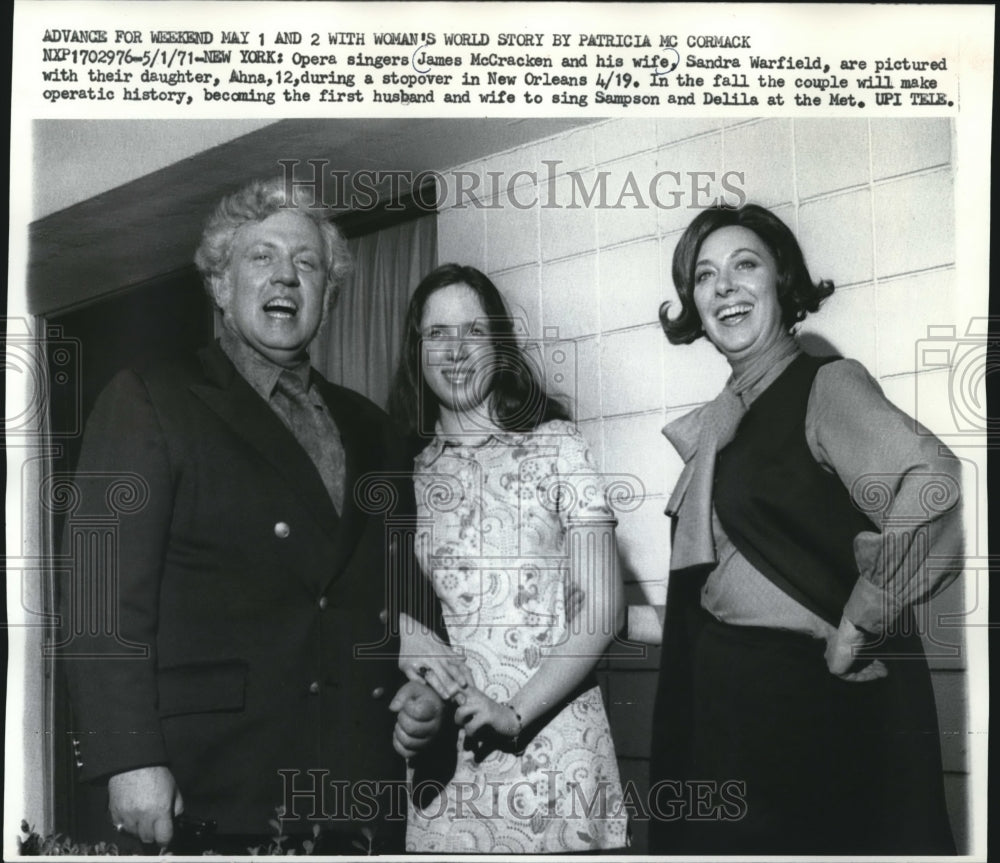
(798, 295)
(519, 399)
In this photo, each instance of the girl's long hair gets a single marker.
(519, 401)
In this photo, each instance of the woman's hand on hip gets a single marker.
(842, 646)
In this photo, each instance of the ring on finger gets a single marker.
(423, 671)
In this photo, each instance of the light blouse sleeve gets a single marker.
(582, 492)
(904, 479)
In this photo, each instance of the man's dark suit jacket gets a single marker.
(251, 595)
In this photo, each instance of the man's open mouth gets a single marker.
(281, 308)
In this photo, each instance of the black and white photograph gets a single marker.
(497, 429)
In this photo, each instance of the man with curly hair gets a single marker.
(258, 579)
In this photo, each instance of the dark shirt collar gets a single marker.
(257, 369)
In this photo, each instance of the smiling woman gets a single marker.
(458, 357)
(515, 537)
(766, 240)
(791, 659)
(734, 292)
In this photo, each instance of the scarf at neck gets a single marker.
(698, 437)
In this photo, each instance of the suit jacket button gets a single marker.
(383, 616)
(79, 764)
(378, 692)
(314, 688)
(281, 530)
(323, 603)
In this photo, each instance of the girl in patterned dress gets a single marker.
(516, 537)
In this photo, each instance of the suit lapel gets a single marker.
(363, 452)
(250, 418)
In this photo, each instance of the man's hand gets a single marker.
(144, 802)
(418, 712)
(841, 657)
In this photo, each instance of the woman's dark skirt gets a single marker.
(778, 756)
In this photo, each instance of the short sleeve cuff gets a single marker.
(643, 624)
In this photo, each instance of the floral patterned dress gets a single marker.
(498, 519)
